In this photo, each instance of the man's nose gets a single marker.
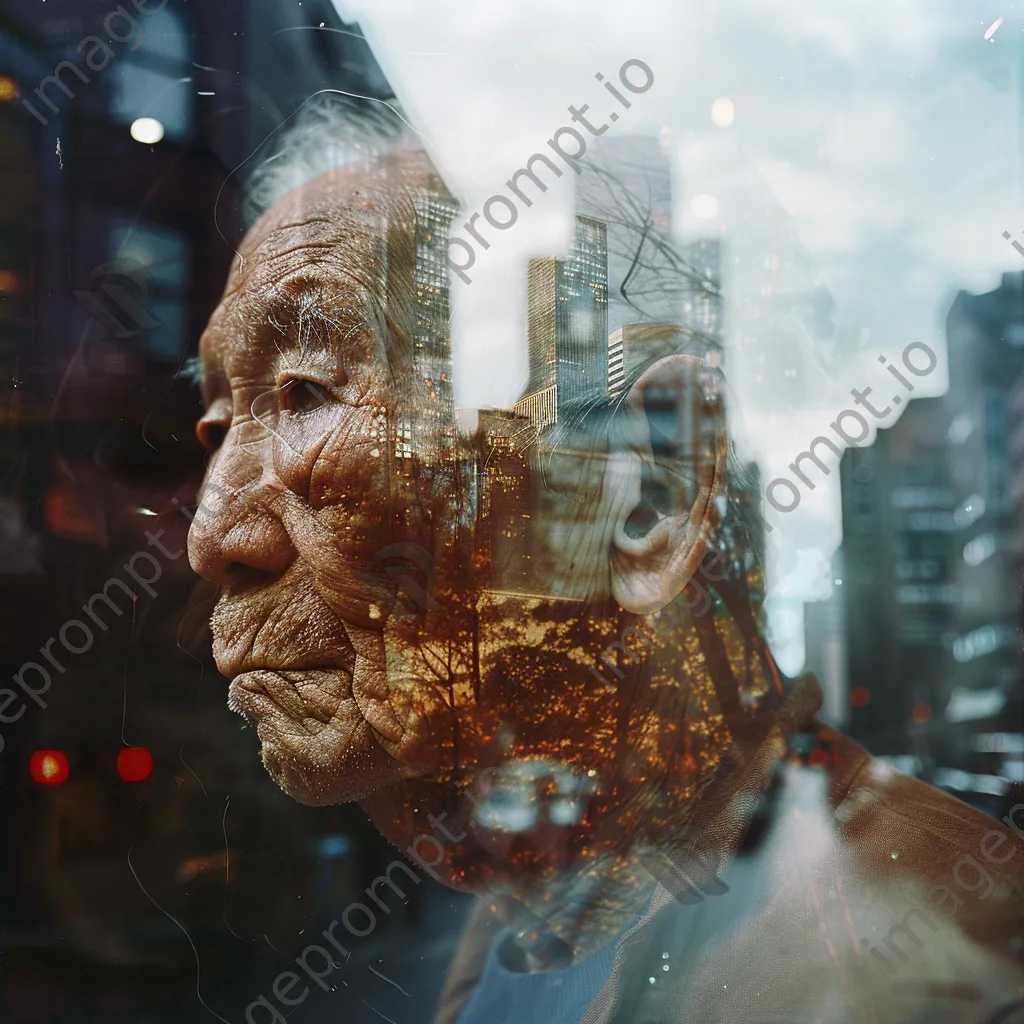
(235, 538)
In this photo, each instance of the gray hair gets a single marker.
(330, 130)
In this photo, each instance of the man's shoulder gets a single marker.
(928, 857)
(898, 820)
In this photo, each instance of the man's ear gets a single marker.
(670, 468)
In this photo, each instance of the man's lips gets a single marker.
(234, 658)
(308, 695)
(314, 692)
(298, 668)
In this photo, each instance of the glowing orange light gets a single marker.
(817, 758)
(48, 767)
(134, 764)
(8, 89)
(860, 696)
(921, 713)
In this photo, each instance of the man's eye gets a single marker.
(302, 396)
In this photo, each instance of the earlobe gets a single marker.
(668, 472)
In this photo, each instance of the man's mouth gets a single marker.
(300, 692)
(333, 719)
(311, 699)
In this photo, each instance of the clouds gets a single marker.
(874, 150)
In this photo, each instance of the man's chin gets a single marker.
(318, 743)
(336, 777)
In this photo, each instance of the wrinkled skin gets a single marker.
(293, 471)
(306, 374)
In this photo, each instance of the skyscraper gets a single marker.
(432, 337)
(633, 345)
(628, 187)
(427, 426)
(567, 322)
(932, 549)
(651, 277)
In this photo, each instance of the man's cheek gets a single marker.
(350, 478)
(342, 460)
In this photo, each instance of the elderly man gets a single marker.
(539, 648)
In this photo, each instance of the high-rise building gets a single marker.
(701, 314)
(932, 550)
(506, 496)
(651, 278)
(633, 345)
(567, 320)
(628, 187)
(782, 337)
(899, 545)
(431, 332)
(986, 359)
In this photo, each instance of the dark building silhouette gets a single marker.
(932, 550)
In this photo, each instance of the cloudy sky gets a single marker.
(876, 139)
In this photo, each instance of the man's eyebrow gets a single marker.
(192, 370)
(310, 316)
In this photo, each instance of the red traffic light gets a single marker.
(134, 764)
(48, 767)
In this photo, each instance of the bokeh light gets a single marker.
(147, 130)
(722, 112)
(860, 696)
(134, 764)
(704, 206)
(48, 767)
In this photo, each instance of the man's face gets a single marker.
(300, 395)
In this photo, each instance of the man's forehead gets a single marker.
(319, 240)
(328, 242)
(369, 198)
(340, 212)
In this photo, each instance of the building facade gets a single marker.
(567, 318)
(932, 550)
